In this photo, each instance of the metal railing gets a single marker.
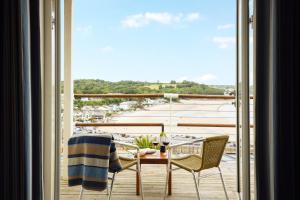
(171, 115)
(209, 125)
(159, 95)
(121, 124)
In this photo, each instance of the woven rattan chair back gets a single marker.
(212, 151)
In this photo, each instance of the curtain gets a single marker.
(20, 141)
(36, 101)
(277, 99)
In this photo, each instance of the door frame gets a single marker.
(51, 98)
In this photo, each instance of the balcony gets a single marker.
(183, 117)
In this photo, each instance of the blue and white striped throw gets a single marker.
(90, 158)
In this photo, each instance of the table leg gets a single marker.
(170, 182)
(137, 182)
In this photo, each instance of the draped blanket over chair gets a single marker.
(90, 158)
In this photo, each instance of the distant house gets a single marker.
(99, 112)
(84, 99)
(230, 92)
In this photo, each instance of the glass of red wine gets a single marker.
(155, 142)
(165, 141)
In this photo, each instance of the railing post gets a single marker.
(170, 97)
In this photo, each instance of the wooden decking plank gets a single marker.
(154, 180)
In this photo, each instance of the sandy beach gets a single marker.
(185, 111)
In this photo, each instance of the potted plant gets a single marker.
(143, 142)
(146, 144)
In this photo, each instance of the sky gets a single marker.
(154, 40)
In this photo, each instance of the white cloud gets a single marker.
(106, 49)
(224, 42)
(192, 17)
(163, 18)
(206, 78)
(84, 29)
(134, 21)
(225, 26)
(143, 19)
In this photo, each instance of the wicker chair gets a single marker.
(126, 163)
(211, 154)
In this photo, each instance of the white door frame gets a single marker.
(243, 100)
(48, 97)
(51, 93)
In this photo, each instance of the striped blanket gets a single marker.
(90, 158)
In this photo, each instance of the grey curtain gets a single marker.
(277, 99)
(20, 68)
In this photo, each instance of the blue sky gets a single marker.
(154, 40)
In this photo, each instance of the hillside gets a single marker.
(95, 86)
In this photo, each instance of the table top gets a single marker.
(155, 158)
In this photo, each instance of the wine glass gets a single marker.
(155, 142)
(165, 141)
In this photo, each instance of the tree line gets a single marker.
(96, 86)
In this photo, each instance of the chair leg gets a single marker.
(196, 187)
(140, 180)
(167, 179)
(198, 179)
(81, 193)
(107, 188)
(107, 191)
(111, 185)
(221, 176)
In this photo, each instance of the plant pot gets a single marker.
(162, 149)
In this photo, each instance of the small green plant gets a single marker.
(143, 142)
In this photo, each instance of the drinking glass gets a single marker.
(166, 141)
(155, 142)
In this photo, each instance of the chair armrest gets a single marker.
(127, 144)
(198, 140)
(179, 144)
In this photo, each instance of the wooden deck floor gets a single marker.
(153, 177)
